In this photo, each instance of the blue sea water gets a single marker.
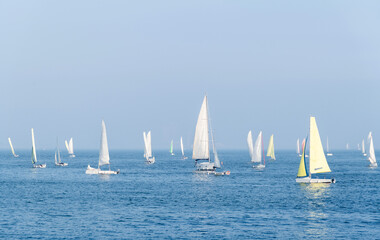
(168, 200)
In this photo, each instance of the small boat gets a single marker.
(57, 158)
(372, 157)
(34, 154)
(70, 147)
(201, 149)
(104, 157)
(183, 152)
(270, 150)
(363, 149)
(328, 153)
(256, 152)
(13, 151)
(148, 148)
(171, 148)
(317, 161)
(298, 147)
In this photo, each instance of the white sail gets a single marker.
(372, 157)
(298, 146)
(67, 146)
(145, 145)
(183, 153)
(327, 145)
(13, 151)
(149, 144)
(250, 144)
(363, 146)
(216, 158)
(34, 154)
(257, 149)
(104, 157)
(71, 146)
(201, 138)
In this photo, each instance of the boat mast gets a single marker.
(262, 147)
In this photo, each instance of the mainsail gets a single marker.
(104, 157)
(250, 145)
(183, 153)
(302, 170)
(363, 147)
(201, 138)
(34, 155)
(149, 145)
(171, 147)
(372, 157)
(318, 163)
(13, 151)
(257, 149)
(270, 150)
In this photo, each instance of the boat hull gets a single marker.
(329, 154)
(314, 180)
(373, 165)
(91, 170)
(39, 165)
(151, 160)
(260, 166)
(61, 164)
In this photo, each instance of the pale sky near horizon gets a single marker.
(146, 65)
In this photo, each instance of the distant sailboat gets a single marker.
(372, 157)
(298, 147)
(256, 151)
(148, 148)
(70, 147)
(327, 148)
(34, 154)
(201, 151)
(104, 157)
(171, 148)
(270, 150)
(347, 146)
(317, 159)
(13, 151)
(363, 149)
(57, 158)
(183, 152)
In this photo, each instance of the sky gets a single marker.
(146, 65)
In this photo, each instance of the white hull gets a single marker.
(314, 180)
(39, 165)
(372, 165)
(151, 160)
(61, 164)
(91, 170)
(205, 167)
(214, 173)
(183, 158)
(329, 154)
(260, 166)
(72, 155)
(365, 154)
(16, 156)
(172, 154)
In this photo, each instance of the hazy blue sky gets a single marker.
(146, 65)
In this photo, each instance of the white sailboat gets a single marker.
(363, 149)
(317, 161)
(57, 158)
(257, 151)
(201, 151)
(298, 147)
(70, 147)
(328, 153)
(183, 152)
(371, 151)
(171, 148)
(148, 148)
(270, 150)
(34, 154)
(13, 151)
(104, 157)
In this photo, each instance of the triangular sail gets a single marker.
(257, 149)
(318, 162)
(67, 146)
(201, 138)
(149, 145)
(250, 145)
(270, 150)
(363, 146)
(183, 153)
(372, 157)
(71, 146)
(34, 154)
(13, 151)
(216, 158)
(58, 154)
(302, 170)
(145, 145)
(171, 146)
(298, 146)
(104, 157)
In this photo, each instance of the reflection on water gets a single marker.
(318, 225)
(104, 177)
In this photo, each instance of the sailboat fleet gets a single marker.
(207, 160)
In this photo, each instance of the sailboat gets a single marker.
(70, 147)
(183, 152)
(34, 154)
(327, 148)
(104, 156)
(317, 161)
(298, 147)
(201, 149)
(372, 157)
(257, 151)
(148, 148)
(13, 151)
(270, 150)
(171, 148)
(363, 149)
(57, 158)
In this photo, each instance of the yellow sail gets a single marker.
(302, 172)
(318, 163)
(270, 150)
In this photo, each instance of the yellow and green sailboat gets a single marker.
(317, 160)
(270, 150)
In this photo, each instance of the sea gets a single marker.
(168, 200)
